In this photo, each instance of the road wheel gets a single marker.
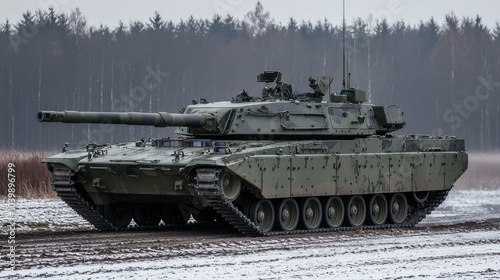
(356, 211)
(147, 215)
(119, 214)
(333, 212)
(173, 215)
(398, 208)
(262, 214)
(287, 214)
(377, 209)
(311, 213)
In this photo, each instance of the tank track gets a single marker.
(207, 180)
(62, 180)
(64, 185)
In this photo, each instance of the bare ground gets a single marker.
(471, 249)
(460, 240)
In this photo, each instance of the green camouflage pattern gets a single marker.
(233, 157)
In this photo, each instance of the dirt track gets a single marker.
(191, 254)
(49, 248)
(458, 241)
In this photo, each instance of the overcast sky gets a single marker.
(109, 12)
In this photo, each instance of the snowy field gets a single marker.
(460, 206)
(461, 239)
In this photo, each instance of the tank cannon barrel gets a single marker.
(160, 119)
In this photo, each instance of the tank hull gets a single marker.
(302, 184)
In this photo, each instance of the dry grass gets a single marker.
(32, 176)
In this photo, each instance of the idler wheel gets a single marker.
(420, 197)
(262, 214)
(398, 208)
(230, 186)
(311, 213)
(119, 214)
(333, 212)
(356, 211)
(377, 209)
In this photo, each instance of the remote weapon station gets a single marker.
(280, 163)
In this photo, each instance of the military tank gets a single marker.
(278, 163)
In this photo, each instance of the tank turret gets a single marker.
(277, 114)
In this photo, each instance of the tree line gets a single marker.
(445, 75)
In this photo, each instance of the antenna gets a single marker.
(348, 73)
(343, 45)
